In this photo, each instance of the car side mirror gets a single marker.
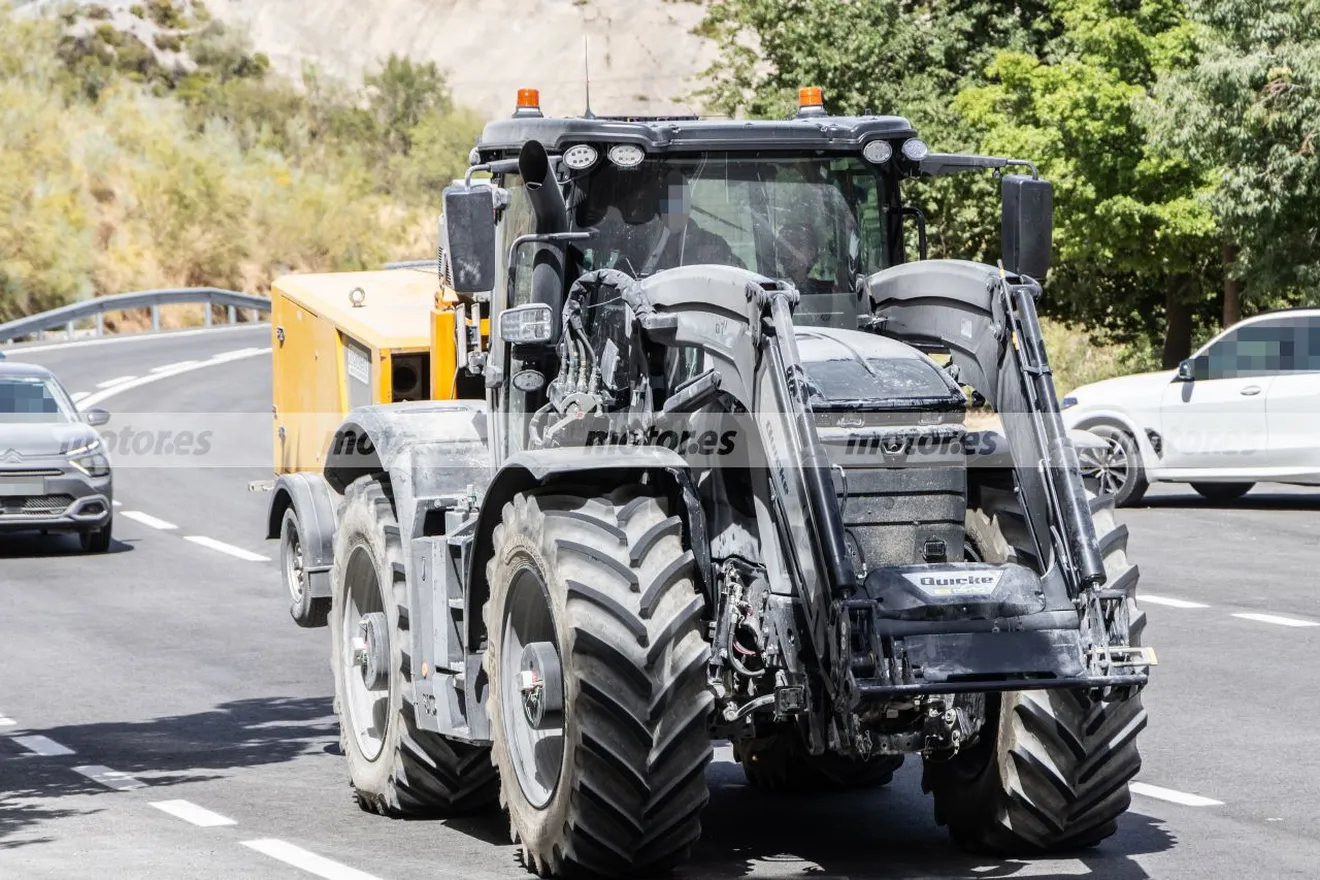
(1028, 225)
(470, 236)
(96, 417)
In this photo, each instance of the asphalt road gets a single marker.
(183, 724)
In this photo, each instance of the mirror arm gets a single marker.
(914, 211)
(542, 238)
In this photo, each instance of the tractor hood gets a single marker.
(852, 370)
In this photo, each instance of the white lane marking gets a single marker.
(147, 519)
(1168, 600)
(222, 547)
(42, 745)
(1277, 620)
(173, 366)
(1173, 797)
(111, 383)
(190, 812)
(117, 503)
(78, 395)
(106, 393)
(6, 721)
(309, 862)
(110, 778)
(20, 350)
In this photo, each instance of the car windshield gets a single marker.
(32, 399)
(814, 220)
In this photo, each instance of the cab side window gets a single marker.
(519, 219)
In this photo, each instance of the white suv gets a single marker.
(1245, 408)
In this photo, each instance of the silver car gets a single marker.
(54, 470)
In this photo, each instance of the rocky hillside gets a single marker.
(644, 58)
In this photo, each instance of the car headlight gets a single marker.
(1067, 402)
(90, 460)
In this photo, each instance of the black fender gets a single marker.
(614, 465)
(314, 503)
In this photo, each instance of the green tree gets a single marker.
(403, 94)
(1132, 232)
(1249, 109)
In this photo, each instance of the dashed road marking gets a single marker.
(1168, 600)
(110, 778)
(222, 547)
(190, 812)
(1173, 797)
(43, 745)
(117, 503)
(306, 861)
(148, 520)
(179, 370)
(6, 721)
(111, 383)
(78, 395)
(1277, 620)
(139, 338)
(173, 366)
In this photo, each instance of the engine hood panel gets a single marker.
(853, 370)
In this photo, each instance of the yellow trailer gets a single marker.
(340, 341)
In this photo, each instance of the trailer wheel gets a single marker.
(781, 763)
(1051, 768)
(394, 767)
(598, 703)
(305, 610)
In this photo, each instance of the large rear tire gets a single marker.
(1051, 768)
(597, 593)
(781, 763)
(395, 768)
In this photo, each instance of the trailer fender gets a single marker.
(314, 502)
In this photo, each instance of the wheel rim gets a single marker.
(1110, 468)
(294, 574)
(537, 755)
(366, 704)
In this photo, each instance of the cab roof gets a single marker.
(690, 134)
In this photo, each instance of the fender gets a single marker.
(523, 471)
(313, 501)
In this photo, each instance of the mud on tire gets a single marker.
(415, 771)
(1051, 768)
(626, 793)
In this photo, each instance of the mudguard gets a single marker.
(315, 504)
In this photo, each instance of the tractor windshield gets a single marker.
(815, 220)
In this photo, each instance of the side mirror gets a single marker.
(1028, 225)
(1189, 370)
(470, 237)
(96, 417)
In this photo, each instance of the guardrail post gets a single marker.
(209, 307)
(68, 329)
(233, 314)
(100, 323)
(155, 318)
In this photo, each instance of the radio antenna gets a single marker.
(586, 69)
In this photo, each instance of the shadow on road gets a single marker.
(34, 545)
(1259, 498)
(885, 833)
(162, 752)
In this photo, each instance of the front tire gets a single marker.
(597, 593)
(395, 768)
(97, 540)
(1116, 470)
(1051, 768)
(1222, 492)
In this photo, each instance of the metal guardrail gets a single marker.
(67, 316)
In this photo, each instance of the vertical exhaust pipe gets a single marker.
(551, 217)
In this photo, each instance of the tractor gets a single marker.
(717, 482)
